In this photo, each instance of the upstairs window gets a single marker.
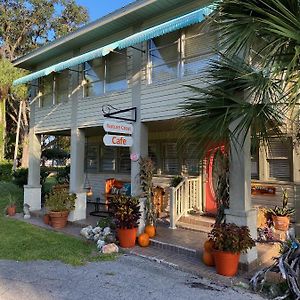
(46, 90)
(116, 72)
(164, 56)
(180, 53)
(106, 74)
(62, 87)
(199, 44)
(94, 77)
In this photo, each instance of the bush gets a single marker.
(63, 175)
(6, 171)
(20, 176)
(9, 191)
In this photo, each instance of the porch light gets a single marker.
(89, 191)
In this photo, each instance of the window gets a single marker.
(91, 157)
(106, 74)
(124, 160)
(164, 57)
(170, 159)
(94, 76)
(62, 87)
(199, 45)
(254, 164)
(180, 53)
(192, 161)
(279, 154)
(46, 89)
(108, 159)
(116, 72)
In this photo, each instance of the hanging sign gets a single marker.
(117, 127)
(117, 140)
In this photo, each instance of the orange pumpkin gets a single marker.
(208, 258)
(209, 245)
(143, 240)
(150, 230)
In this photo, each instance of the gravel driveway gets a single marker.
(128, 277)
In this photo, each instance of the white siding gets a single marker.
(57, 117)
(89, 111)
(160, 101)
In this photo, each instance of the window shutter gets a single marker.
(278, 159)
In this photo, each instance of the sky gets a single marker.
(100, 8)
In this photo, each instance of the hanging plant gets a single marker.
(146, 175)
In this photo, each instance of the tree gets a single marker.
(254, 84)
(24, 26)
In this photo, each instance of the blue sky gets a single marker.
(100, 8)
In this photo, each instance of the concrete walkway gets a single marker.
(127, 278)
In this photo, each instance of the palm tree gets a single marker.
(254, 83)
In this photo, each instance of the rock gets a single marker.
(87, 232)
(100, 244)
(96, 237)
(97, 230)
(110, 248)
(110, 238)
(106, 231)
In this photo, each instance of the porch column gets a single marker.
(77, 174)
(140, 134)
(32, 191)
(240, 209)
(296, 179)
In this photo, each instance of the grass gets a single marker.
(23, 242)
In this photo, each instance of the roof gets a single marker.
(116, 21)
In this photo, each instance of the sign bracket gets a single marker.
(108, 113)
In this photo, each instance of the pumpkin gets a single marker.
(208, 258)
(150, 230)
(209, 245)
(143, 240)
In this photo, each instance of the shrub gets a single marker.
(60, 201)
(20, 176)
(6, 171)
(10, 192)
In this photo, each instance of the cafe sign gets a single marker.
(117, 140)
(117, 127)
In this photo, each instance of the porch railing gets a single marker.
(184, 198)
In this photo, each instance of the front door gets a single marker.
(213, 165)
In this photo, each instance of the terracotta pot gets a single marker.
(11, 210)
(226, 262)
(281, 223)
(46, 219)
(127, 237)
(59, 219)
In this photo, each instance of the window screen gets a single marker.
(108, 161)
(62, 86)
(279, 153)
(124, 160)
(171, 164)
(94, 76)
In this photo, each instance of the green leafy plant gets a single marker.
(231, 237)
(106, 222)
(60, 200)
(126, 211)
(146, 175)
(283, 211)
(5, 171)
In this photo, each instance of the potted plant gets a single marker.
(146, 175)
(281, 215)
(229, 240)
(11, 207)
(59, 204)
(126, 214)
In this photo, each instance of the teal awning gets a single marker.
(147, 34)
(167, 27)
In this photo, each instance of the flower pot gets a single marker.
(11, 210)
(46, 219)
(226, 262)
(59, 219)
(127, 237)
(281, 222)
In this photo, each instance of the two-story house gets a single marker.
(139, 57)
